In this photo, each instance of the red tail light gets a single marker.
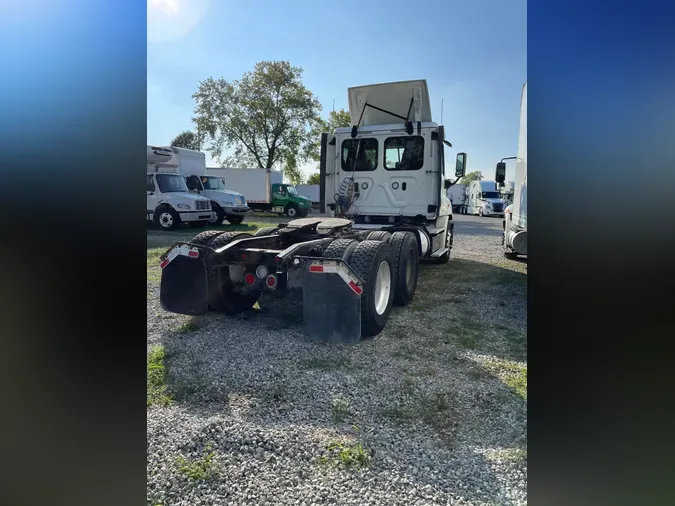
(249, 279)
(271, 281)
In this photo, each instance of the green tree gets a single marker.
(471, 176)
(264, 117)
(291, 170)
(186, 139)
(314, 178)
(336, 119)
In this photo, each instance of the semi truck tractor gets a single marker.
(169, 202)
(484, 199)
(515, 221)
(265, 191)
(383, 180)
(226, 204)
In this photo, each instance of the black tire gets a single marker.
(161, 219)
(221, 296)
(303, 213)
(235, 220)
(406, 257)
(340, 248)
(380, 235)
(365, 260)
(449, 239)
(291, 210)
(510, 256)
(204, 238)
(220, 214)
(264, 231)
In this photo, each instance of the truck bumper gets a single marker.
(236, 211)
(191, 216)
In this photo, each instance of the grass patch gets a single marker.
(467, 331)
(189, 326)
(156, 378)
(351, 456)
(340, 409)
(516, 455)
(433, 410)
(328, 364)
(513, 374)
(202, 468)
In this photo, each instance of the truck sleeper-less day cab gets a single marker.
(515, 221)
(226, 204)
(383, 180)
(169, 202)
(265, 190)
(484, 199)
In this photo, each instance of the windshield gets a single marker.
(490, 195)
(171, 183)
(292, 190)
(212, 183)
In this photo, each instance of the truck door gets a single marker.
(280, 195)
(151, 191)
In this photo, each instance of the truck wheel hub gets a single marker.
(382, 287)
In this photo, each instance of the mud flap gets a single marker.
(183, 286)
(331, 308)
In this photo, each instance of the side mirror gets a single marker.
(446, 184)
(460, 165)
(500, 173)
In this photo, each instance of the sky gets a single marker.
(473, 55)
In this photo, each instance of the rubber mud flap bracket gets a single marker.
(183, 286)
(331, 308)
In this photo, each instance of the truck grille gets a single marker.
(498, 207)
(203, 205)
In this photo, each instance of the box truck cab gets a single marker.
(484, 199)
(169, 202)
(265, 190)
(226, 204)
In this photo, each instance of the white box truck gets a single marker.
(515, 219)
(264, 190)
(226, 204)
(457, 196)
(169, 202)
(484, 199)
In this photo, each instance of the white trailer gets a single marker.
(169, 202)
(515, 222)
(484, 199)
(311, 191)
(226, 204)
(264, 190)
(457, 195)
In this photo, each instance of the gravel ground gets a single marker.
(437, 401)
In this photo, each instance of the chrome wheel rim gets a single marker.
(382, 287)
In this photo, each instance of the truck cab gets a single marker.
(227, 205)
(485, 199)
(388, 169)
(169, 202)
(285, 198)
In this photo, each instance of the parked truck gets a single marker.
(264, 190)
(484, 199)
(384, 182)
(506, 192)
(169, 202)
(457, 196)
(226, 204)
(515, 221)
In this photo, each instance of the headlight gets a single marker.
(183, 206)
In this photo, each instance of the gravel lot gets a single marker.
(434, 408)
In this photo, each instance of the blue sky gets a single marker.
(473, 55)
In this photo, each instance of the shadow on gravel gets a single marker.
(423, 385)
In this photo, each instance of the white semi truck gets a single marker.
(457, 196)
(484, 199)
(384, 180)
(169, 202)
(515, 221)
(265, 190)
(226, 204)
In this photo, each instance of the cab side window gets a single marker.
(150, 184)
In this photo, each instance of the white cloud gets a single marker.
(167, 7)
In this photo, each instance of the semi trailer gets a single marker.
(383, 182)
(265, 191)
(515, 221)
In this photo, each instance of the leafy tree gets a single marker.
(292, 171)
(187, 140)
(471, 176)
(265, 116)
(314, 178)
(336, 119)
